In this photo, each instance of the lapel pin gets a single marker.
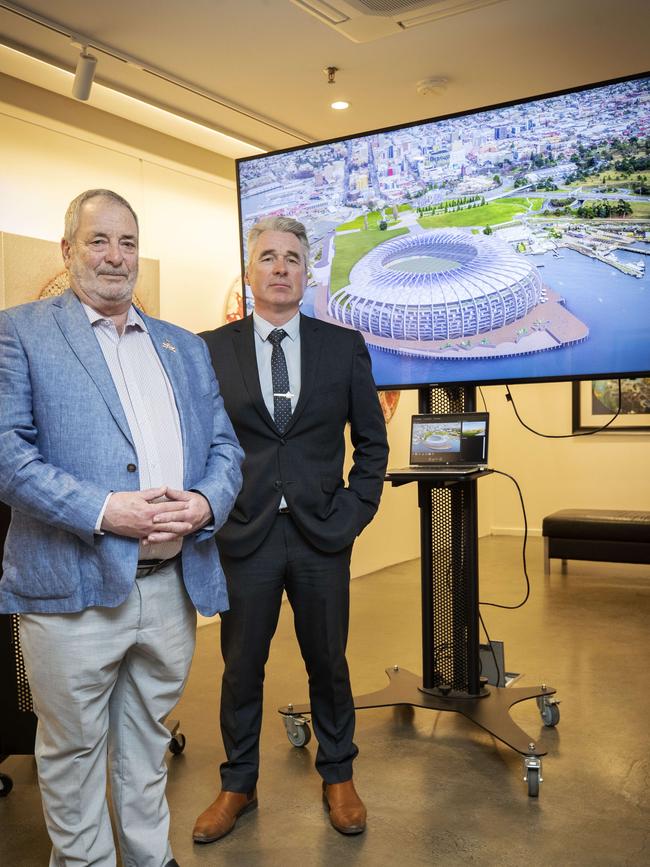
(167, 344)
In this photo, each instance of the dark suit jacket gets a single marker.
(305, 463)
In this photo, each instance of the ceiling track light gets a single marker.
(84, 74)
(79, 41)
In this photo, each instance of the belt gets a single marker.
(148, 567)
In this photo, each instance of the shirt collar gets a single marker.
(264, 328)
(133, 318)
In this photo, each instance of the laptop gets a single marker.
(448, 444)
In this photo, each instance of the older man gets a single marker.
(119, 462)
(291, 384)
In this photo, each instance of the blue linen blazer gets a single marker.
(65, 444)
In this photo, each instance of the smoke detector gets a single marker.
(431, 86)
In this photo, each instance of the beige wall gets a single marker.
(187, 216)
(603, 471)
(394, 534)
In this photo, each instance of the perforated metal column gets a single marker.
(450, 627)
(23, 692)
(17, 718)
(453, 398)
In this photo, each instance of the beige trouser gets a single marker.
(103, 680)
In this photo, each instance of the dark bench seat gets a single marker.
(596, 534)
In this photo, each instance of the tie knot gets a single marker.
(277, 336)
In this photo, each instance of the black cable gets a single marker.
(494, 656)
(510, 398)
(583, 433)
(523, 552)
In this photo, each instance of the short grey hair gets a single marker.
(278, 224)
(74, 210)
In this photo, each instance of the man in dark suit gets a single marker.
(290, 384)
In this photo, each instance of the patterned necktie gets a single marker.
(280, 380)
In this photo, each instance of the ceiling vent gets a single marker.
(367, 20)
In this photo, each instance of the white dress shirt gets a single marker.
(291, 349)
(148, 402)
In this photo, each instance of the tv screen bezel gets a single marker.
(459, 382)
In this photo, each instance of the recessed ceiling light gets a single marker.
(340, 105)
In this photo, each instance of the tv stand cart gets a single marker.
(451, 668)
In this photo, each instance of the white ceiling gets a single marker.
(253, 69)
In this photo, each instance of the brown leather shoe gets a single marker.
(346, 809)
(221, 816)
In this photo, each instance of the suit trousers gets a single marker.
(103, 681)
(317, 587)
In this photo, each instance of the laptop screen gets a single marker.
(450, 439)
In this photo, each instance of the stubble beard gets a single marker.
(94, 287)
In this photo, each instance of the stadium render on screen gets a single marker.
(448, 440)
(500, 245)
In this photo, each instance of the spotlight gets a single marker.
(84, 75)
(340, 105)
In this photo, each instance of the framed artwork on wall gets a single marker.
(595, 402)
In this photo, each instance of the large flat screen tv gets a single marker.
(506, 244)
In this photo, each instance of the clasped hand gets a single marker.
(144, 515)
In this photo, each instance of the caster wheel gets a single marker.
(551, 715)
(549, 711)
(177, 744)
(533, 782)
(298, 731)
(6, 785)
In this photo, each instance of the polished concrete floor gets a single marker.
(439, 790)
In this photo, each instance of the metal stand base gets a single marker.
(490, 711)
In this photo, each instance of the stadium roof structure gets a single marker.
(437, 285)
